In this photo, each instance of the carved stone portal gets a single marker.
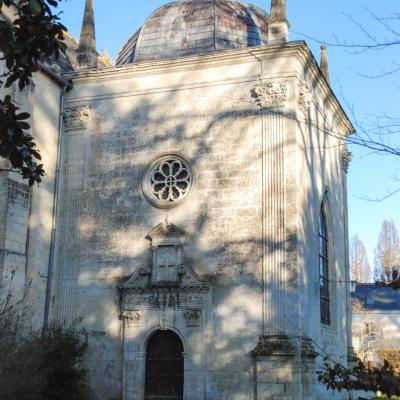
(166, 295)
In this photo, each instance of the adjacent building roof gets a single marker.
(371, 296)
(189, 27)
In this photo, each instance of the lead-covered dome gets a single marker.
(189, 27)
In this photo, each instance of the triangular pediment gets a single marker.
(165, 230)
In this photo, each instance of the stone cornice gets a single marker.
(315, 79)
(184, 63)
(274, 345)
(298, 49)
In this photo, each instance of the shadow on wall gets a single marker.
(105, 219)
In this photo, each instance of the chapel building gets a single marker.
(193, 219)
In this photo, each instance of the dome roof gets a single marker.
(188, 27)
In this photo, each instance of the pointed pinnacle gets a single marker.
(278, 12)
(324, 63)
(88, 34)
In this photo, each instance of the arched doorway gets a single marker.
(164, 367)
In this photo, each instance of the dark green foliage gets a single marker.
(35, 34)
(65, 378)
(360, 377)
(43, 366)
(16, 144)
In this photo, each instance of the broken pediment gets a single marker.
(168, 268)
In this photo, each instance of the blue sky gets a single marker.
(370, 175)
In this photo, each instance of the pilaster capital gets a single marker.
(76, 117)
(272, 94)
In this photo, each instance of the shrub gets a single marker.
(392, 357)
(44, 366)
(36, 365)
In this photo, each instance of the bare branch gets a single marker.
(379, 199)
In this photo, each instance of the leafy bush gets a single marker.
(392, 357)
(360, 377)
(36, 365)
(44, 366)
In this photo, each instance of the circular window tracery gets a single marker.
(168, 181)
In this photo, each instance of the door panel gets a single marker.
(164, 367)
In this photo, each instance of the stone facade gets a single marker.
(233, 267)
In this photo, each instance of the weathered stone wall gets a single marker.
(27, 213)
(251, 214)
(14, 232)
(107, 217)
(321, 176)
(15, 206)
(45, 99)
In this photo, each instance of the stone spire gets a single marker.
(278, 23)
(87, 53)
(324, 63)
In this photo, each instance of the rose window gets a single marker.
(168, 181)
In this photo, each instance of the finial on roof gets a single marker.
(278, 23)
(87, 53)
(324, 63)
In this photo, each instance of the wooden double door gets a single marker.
(164, 367)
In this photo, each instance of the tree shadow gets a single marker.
(217, 127)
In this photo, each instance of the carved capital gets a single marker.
(305, 96)
(76, 117)
(272, 94)
(192, 317)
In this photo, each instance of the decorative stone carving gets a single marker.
(273, 345)
(135, 316)
(305, 96)
(272, 94)
(166, 297)
(163, 320)
(168, 181)
(164, 231)
(166, 245)
(192, 317)
(76, 117)
(168, 282)
(167, 294)
(346, 158)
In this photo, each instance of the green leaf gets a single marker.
(11, 79)
(24, 125)
(36, 7)
(23, 115)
